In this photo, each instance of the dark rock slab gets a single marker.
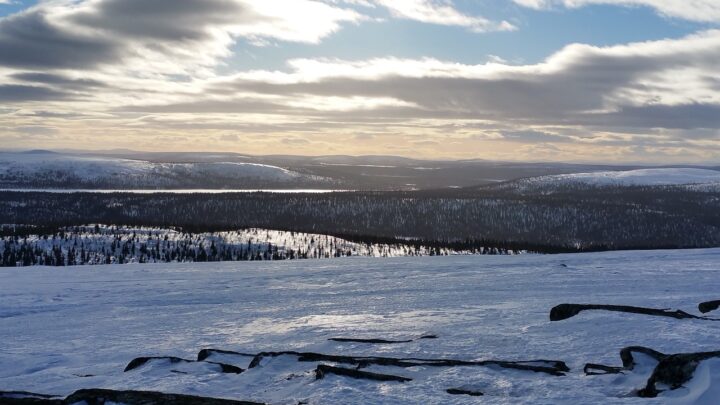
(674, 370)
(380, 341)
(28, 398)
(708, 306)
(323, 370)
(140, 361)
(628, 361)
(565, 311)
(101, 396)
(552, 367)
(376, 341)
(205, 353)
(461, 391)
(600, 369)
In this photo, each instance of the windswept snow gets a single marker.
(640, 177)
(67, 328)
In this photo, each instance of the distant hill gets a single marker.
(120, 169)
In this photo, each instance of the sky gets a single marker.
(607, 81)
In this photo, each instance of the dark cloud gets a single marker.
(685, 116)
(20, 93)
(30, 40)
(167, 20)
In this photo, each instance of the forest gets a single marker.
(566, 219)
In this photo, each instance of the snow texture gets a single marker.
(78, 327)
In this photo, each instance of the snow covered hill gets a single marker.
(640, 177)
(79, 327)
(59, 170)
(690, 178)
(101, 244)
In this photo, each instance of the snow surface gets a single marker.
(649, 177)
(59, 325)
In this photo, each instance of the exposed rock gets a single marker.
(461, 391)
(227, 368)
(205, 353)
(565, 311)
(708, 306)
(101, 396)
(380, 341)
(323, 369)
(674, 370)
(552, 367)
(139, 361)
(28, 398)
(599, 369)
(628, 361)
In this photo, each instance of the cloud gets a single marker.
(20, 93)
(693, 10)
(126, 71)
(578, 85)
(159, 36)
(31, 39)
(442, 13)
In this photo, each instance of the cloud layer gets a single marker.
(138, 74)
(694, 10)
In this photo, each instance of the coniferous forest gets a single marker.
(564, 219)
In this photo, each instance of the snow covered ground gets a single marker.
(67, 328)
(649, 177)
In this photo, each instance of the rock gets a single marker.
(552, 367)
(708, 306)
(380, 341)
(101, 396)
(140, 361)
(674, 371)
(377, 341)
(323, 369)
(205, 353)
(628, 361)
(28, 398)
(599, 369)
(565, 311)
(461, 391)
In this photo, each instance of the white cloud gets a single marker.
(159, 36)
(693, 10)
(443, 13)
(118, 68)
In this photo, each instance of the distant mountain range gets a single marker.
(159, 170)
